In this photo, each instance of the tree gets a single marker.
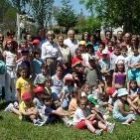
(42, 11)
(66, 16)
(20, 5)
(117, 13)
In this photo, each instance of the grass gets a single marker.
(13, 129)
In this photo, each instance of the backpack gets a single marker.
(2, 67)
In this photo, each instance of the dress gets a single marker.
(118, 115)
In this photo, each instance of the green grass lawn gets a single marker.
(11, 128)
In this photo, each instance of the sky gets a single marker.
(76, 6)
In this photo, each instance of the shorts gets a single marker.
(81, 125)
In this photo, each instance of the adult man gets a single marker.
(50, 52)
(71, 42)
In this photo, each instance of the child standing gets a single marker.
(23, 83)
(119, 76)
(10, 59)
(119, 112)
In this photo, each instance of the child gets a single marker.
(57, 81)
(28, 110)
(91, 73)
(99, 52)
(119, 76)
(119, 112)
(134, 66)
(104, 64)
(67, 91)
(2, 76)
(10, 59)
(36, 63)
(39, 92)
(82, 118)
(133, 91)
(52, 113)
(23, 83)
(41, 78)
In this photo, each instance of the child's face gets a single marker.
(133, 85)
(87, 88)
(101, 47)
(23, 73)
(59, 72)
(48, 103)
(44, 70)
(48, 83)
(117, 51)
(124, 51)
(23, 45)
(25, 56)
(120, 67)
(37, 55)
(83, 104)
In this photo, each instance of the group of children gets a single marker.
(82, 93)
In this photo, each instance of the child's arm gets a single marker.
(19, 95)
(113, 80)
(121, 108)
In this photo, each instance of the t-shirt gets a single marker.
(80, 115)
(91, 76)
(73, 45)
(134, 60)
(36, 65)
(113, 59)
(104, 64)
(23, 85)
(57, 85)
(10, 58)
(23, 107)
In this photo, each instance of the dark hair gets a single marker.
(108, 31)
(13, 46)
(102, 43)
(36, 51)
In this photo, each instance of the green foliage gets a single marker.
(117, 13)
(42, 11)
(90, 24)
(66, 16)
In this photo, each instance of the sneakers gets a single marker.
(111, 128)
(98, 132)
(9, 108)
(39, 122)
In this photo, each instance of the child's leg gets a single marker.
(90, 126)
(102, 126)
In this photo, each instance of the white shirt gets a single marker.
(10, 58)
(50, 51)
(65, 51)
(73, 45)
(78, 115)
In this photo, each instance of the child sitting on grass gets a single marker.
(119, 112)
(28, 110)
(83, 118)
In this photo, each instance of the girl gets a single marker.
(119, 76)
(67, 91)
(36, 63)
(119, 112)
(10, 59)
(133, 92)
(57, 81)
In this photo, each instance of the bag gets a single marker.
(2, 67)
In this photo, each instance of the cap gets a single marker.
(36, 41)
(82, 43)
(122, 92)
(110, 90)
(76, 61)
(26, 96)
(39, 90)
